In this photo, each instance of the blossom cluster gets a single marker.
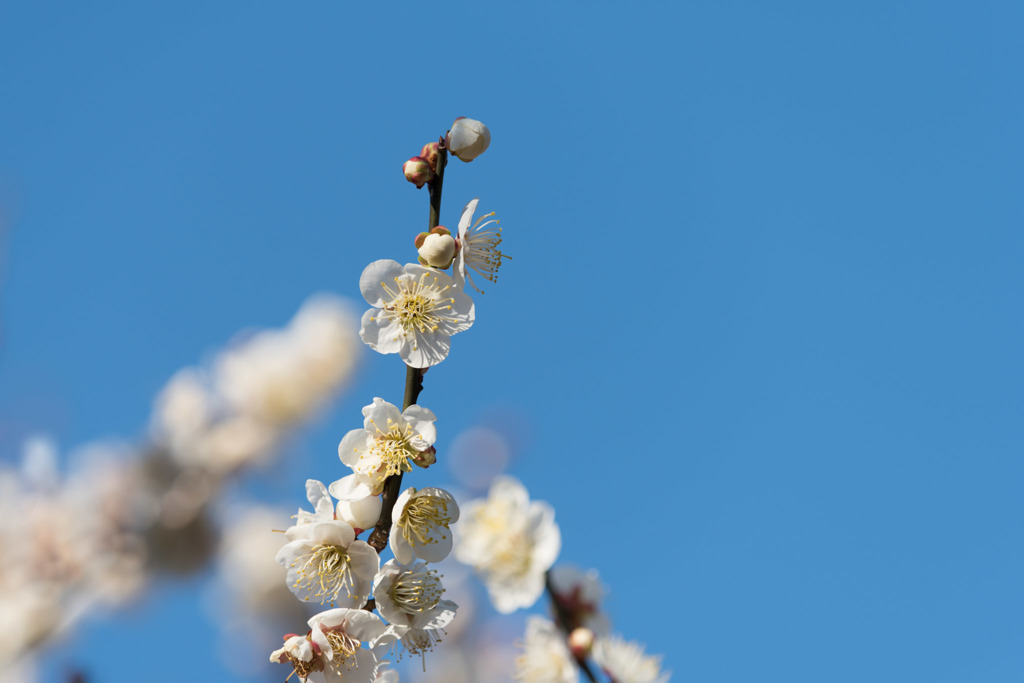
(93, 537)
(240, 409)
(374, 606)
(512, 542)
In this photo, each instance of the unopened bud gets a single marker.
(426, 458)
(467, 139)
(417, 171)
(581, 642)
(429, 153)
(436, 248)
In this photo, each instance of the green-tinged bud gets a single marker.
(467, 139)
(417, 171)
(581, 642)
(429, 153)
(426, 458)
(437, 248)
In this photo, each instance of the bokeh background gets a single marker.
(759, 342)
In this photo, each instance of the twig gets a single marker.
(565, 622)
(413, 376)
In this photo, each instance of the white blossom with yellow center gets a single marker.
(389, 442)
(415, 311)
(327, 565)
(410, 595)
(545, 658)
(511, 541)
(339, 635)
(478, 247)
(420, 525)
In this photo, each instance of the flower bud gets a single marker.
(417, 171)
(581, 642)
(437, 251)
(426, 458)
(467, 139)
(429, 153)
(359, 514)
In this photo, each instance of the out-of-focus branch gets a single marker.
(565, 622)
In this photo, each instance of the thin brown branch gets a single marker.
(413, 376)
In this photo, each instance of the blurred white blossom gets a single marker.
(545, 657)
(257, 390)
(511, 541)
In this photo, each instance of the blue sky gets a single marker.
(762, 325)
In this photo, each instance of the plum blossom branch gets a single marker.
(413, 376)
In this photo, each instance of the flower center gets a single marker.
(513, 557)
(421, 641)
(422, 518)
(417, 591)
(390, 451)
(325, 572)
(304, 669)
(344, 647)
(417, 305)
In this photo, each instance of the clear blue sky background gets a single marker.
(763, 319)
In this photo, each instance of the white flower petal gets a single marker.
(352, 487)
(426, 350)
(375, 277)
(381, 334)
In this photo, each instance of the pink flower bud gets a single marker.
(430, 153)
(426, 458)
(467, 139)
(417, 171)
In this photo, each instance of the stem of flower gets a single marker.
(413, 376)
(564, 621)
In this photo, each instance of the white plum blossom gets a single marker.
(327, 565)
(478, 247)
(625, 661)
(388, 443)
(410, 598)
(468, 138)
(420, 525)
(415, 311)
(410, 595)
(333, 651)
(340, 634)
(511, 541)
(545, 657)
